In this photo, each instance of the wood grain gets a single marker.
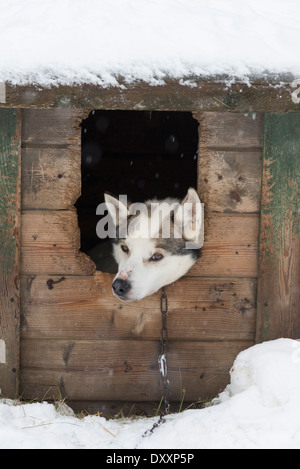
(50, 244)
(10, 205)
(85, 308)
(279, 273)
(230, 181)
(47, 127)
(108, 369)
(230, 246)
(51, 177)
(231, 130)
(51, 240)
(208, 95)
(229, 161)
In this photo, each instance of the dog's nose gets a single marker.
(121, 287)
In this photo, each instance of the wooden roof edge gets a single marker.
(186, 94)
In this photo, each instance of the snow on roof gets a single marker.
(98, 41)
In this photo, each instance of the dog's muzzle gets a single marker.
(121, 287)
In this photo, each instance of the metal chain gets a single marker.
(162, 359)
(162, 362)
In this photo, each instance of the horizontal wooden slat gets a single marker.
(230, 181)
(229, 161)
(59, 127)
(227, 260)
(230, 247)
(229, 130)
(50, 243)
(108, 370)
(85, 308)
(50, 177)
(208, 95)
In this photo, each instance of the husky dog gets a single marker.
(155, 243)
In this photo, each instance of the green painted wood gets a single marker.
(279, 266)
(9, 250)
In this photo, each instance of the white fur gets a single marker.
(135, 266)
(147, 276)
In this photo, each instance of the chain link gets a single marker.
(162, 362)
(162, 359)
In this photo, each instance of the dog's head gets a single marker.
(156, 243)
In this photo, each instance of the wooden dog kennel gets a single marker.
(62, 332)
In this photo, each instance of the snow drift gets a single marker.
(258, 409)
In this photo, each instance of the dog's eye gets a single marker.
(156, 257)
(125, 248)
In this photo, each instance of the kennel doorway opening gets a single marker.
(143, 154)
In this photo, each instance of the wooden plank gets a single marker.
(51, 177)
(230, 248)
(208, 95)
(279, 272)
(230, 131)
(59, 127)
(85, 308)
(10, 200)
(51, 155)
(229, 161)
(230, 181)
(50, 243)
(127, 370)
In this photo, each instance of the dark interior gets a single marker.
(141, 154)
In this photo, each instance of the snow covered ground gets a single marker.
(258, 409)
(96, 41)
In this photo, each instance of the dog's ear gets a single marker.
(190, 217)
(117, 209)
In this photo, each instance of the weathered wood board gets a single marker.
(10, 205)
(85, 308)
(206, 95)
(49, 127)
(51, 158)
(125, 369)
(279, 273)
(230, 249)
(230, 130)
(50, 177)
(230, 180)
(54, 238)
(229, 161)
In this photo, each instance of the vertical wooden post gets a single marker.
(10, 203)
(279, 266)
